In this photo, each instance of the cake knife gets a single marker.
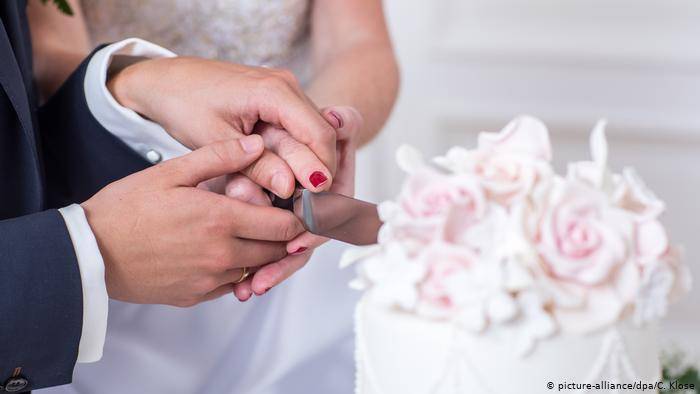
(334, 216)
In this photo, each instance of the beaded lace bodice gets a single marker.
(253, 32)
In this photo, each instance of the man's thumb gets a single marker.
(219, 158)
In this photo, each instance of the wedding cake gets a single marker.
(493, 274)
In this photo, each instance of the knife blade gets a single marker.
(338, 217)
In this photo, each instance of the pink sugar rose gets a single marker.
(508, 164)
(585, 248)
(456, 284)
(580, 237)
(583, 308)
(427, 199)
(591, 308)
(507, 178)
(442, 267)
(430, 195)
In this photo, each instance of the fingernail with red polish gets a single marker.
(339, 120)
(300, 250)
(317, 178)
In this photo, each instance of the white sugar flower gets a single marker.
(393, 277)
(534, 323)
(664, 280)
(652, 298)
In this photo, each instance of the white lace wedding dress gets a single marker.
(295, 339)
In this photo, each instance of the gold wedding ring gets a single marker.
(244, 275)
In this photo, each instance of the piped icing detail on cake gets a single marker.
(493, 237)
(613, 363)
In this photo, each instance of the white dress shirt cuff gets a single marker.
(147, 138)
(92, 277)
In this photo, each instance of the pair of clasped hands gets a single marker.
(180, 232)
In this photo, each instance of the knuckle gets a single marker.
(241, 189)
(226, 153)
(166, 169)
(257, 170)
(288, 76)
(290, 146)
(274, 82)
(262, 171)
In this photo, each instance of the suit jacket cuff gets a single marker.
(40, 299)
(147, 138)
(92, 277)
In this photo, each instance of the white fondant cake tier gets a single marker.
(398, 352)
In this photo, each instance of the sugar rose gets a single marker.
(427, 200)
(463, 286)
(429, 194)
(580, 236)
(508, 164)
(447, 268)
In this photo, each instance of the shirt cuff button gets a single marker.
(154, 156)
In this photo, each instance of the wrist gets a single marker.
(127, 82)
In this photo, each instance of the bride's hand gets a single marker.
(201, 101)
(347, 122)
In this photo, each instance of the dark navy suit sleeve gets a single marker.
(81, 156)
(41, 301)
(40, 298)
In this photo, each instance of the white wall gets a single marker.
(472, 65)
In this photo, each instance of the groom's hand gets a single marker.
(164, 241)
(201, 101)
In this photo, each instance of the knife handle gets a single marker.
(286, 203)
(282, 203)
